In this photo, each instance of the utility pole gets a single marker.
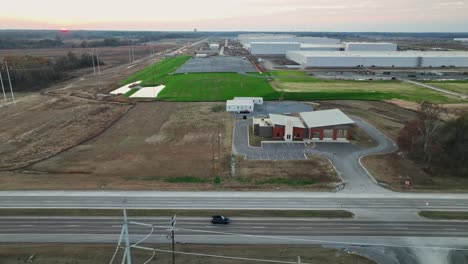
(97, 58)
(74, 111)
(127, 252)
(3, 88)
(213, 148)
(173, 223)
(9, 81)
(219, 144)
(92, 58)
(129, 54)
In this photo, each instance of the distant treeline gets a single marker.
(30, 73)
(22, 39)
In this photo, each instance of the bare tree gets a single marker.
(429, 121)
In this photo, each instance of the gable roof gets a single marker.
(282, 119)
(333, 117)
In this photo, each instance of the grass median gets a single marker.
(444, 215)
(186, 213)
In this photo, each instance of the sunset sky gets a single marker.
(253, 15)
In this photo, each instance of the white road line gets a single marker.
(26, 225)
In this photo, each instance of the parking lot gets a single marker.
(269, 150)
(217, 64)
(279, 151)
(388, 75)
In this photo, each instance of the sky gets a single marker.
(238, 15)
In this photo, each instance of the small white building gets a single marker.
(255, 100)
(214, 46)
(239, 106)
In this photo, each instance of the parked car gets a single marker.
(219, 219)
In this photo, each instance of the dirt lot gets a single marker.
(102, 253)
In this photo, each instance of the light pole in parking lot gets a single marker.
(333, 159)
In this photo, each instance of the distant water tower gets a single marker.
(195, 30)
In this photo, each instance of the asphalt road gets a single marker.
(230, 200)
(246, 226)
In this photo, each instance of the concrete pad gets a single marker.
(148, 92)
(126, 88)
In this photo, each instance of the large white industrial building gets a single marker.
(247, 39)
(273, 48)
(410, 59)
(370, 46)
(326, 52)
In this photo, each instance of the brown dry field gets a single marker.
(251, 173)
(392, 170)
(153, 142)
(102, 253)
(156, 141)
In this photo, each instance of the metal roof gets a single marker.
(324, 118)
(248, 98)
(394, 54)
(274, 43)
(282, 119)
(239, 102)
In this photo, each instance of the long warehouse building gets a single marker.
(408, 59)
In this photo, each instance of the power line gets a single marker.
(218, 256)
(316, 240)
(3, 88)
(9, 81)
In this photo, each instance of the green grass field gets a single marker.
(297, 87)
(215, 87)
(455, 86)
(157, 73)
(287, 85)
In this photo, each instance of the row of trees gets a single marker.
(8, 43)
(442, 147)
(32, 73)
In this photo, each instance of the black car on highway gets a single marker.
(219, 219)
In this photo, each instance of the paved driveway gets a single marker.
(345, 157)
(268, 151)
